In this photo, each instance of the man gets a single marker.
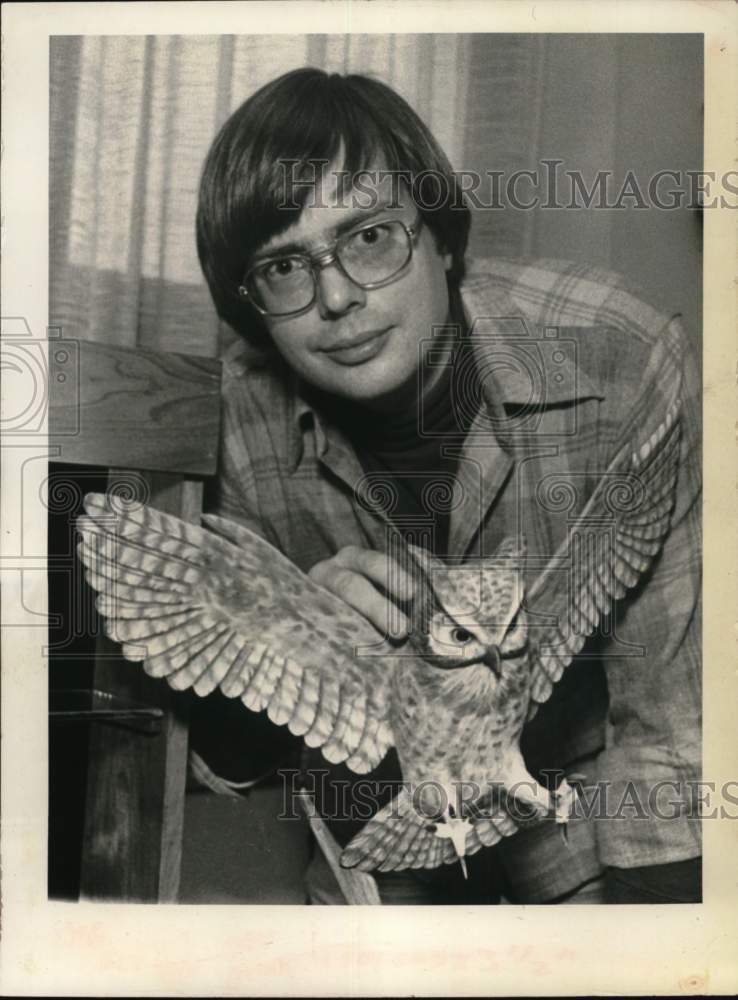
(487, 399)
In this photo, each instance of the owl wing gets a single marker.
(227, 610)
(612, 544)
(399, 837)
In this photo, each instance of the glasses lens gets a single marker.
(375, 253)
(369, 256)
(283, 285)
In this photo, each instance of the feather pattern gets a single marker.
(190, 602)
(217, 607)
(612, 545)
(399, 837)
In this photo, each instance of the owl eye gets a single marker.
(448, 638)
(461, 636)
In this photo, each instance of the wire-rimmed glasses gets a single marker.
(371, 256)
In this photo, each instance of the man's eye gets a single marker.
(285, 267)
(371, 237)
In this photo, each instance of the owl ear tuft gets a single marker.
(430, 572)
(514, 547)
(423, 559)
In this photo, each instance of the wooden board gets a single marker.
(114, 406)
(134, 813)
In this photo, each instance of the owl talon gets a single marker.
(454, 829)
(565, 796)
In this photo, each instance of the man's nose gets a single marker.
(337, 293)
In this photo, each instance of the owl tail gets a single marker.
(400, 837)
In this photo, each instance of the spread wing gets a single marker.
(228, 610)
(612, 544)
(399, 837)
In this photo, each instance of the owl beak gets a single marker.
(493, 660)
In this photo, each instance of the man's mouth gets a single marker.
(356, 350)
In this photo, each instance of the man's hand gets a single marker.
(370, 582)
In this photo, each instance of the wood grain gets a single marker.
(135, 409)
(134, 815)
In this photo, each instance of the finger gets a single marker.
(380, 568)
(362, 595)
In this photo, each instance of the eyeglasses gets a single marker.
(371, 256)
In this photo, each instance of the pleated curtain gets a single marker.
(131, 121)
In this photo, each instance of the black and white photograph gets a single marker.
(368, 464)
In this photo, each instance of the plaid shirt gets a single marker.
(573, 366)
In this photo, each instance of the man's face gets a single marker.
(361, 344)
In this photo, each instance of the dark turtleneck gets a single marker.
(408, 450)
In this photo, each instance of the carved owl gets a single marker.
(219, 607)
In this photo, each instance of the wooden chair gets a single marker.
(152, 418)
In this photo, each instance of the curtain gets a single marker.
(131, 122)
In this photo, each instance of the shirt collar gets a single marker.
(523, 364)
